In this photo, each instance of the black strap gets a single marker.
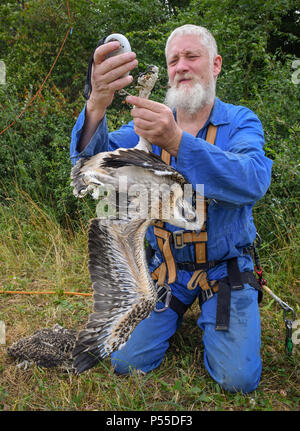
(224, 294)
(178, 306)
(149, 252)
(234, 281)
(194, 266)
(234, 274)
(223, 306)
(247, 278)
(88, 85)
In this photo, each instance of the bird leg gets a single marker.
(24, 364)
(146, 82)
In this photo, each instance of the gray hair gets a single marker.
(205, 35)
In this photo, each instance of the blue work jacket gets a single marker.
(235, 173)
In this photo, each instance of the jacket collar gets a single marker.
(219, 113)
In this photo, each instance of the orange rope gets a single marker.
(44, 82)
(16, 292)
(68, 9)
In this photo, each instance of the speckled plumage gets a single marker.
(124, 293)
(46, 347)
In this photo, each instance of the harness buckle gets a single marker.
(164, 294)
(178, 239)
(207, 293)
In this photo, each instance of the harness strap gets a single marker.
(201, 247)
(159, 274)
(223, 307)
(234, 281)
(178, 306)
(163, 241)
(181, 238)
(247, 278)
(211, 134)
(165, 156)
(200, 278)
(224, 295)
(193, 266)
(234, 275)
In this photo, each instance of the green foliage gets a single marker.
(258, 41)
(35, 150)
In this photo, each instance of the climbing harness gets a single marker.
(169, 267)
(234, 281)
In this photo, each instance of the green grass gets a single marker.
(36, 253)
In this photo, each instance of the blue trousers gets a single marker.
(232, 358)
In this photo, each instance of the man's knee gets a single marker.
(241, 383)
(243, 378)
(146, 347)
(123, 364)
(119, 365)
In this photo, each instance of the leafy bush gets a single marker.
(258, 42)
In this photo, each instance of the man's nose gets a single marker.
(182, 65)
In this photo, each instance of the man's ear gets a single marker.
(217, 65)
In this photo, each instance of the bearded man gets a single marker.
(235, 173)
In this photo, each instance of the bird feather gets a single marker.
(124, 292)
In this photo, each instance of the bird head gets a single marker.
(181, 211)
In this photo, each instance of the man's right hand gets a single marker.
(107, 77)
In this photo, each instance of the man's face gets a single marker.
(188, 61)
(192, 74)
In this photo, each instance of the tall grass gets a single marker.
(38, 254)
(35, 248)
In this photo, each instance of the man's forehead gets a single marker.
(183, 44)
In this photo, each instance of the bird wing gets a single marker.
(105, 168)
(142, 159)
(124, 293)
(87, 174)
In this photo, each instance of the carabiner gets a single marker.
(288, 326)
(258, 240)
(288, 338)
(163, 296)
(287, 309)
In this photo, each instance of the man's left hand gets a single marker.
(155, 122)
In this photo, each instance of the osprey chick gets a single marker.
(46, 347)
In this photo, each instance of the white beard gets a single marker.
(191, 99)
